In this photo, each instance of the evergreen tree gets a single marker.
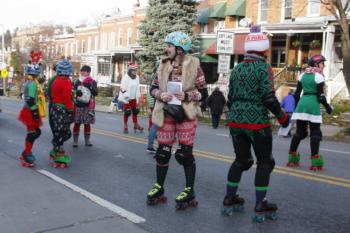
(164, 17)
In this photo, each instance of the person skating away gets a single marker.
(177, 120)
(216, 103)
(130, 96)
(251, 97)
(152, 128)
(61, 114)
(288, 105)
(308, 114)
(84, 110)
(29, 114)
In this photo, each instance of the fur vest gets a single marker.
(189, 75)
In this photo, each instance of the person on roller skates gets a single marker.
(61, 114)
(181, 120)
(251, 97)
(307, 112)
(30, 115)
(130, 96)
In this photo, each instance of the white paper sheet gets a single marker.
(174, 87)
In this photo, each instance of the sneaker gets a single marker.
(151, 150)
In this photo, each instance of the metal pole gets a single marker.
(3, 58)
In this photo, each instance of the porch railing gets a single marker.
(285, 75)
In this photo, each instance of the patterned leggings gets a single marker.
(60, 126)
(186, 132)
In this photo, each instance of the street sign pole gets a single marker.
(224, 48)
(3, 58)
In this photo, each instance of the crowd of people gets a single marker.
(176, 93)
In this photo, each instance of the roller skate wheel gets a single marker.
(227, 211)
(271, 215)
(259, 218)
(315, 168)
(62, 165)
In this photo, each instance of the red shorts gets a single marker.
(26, 117)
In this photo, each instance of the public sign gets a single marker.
(224, 64)
(225, 42)
(4, 73)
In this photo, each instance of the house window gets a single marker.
(96, 43)
(263, 10)
(137, 36)
(112, 40)
(314, 8)
(218, 25)
(278, 57)
(120, 37)
(287, 9)
(76, 47)
(89, 44)
(104, 65)
(204, 28)
(128, 40)
(71, 49)
(83, 46)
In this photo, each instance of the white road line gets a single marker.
(336, 151)
(114, 208)
(222, 135)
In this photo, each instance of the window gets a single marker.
(287, 6)
(89, 44)
(120, 37)
(104, 41)
(83, 46)
(219, 25)
(204, 28)
(263, 10)
(96, 43)
(314, 7)
(104, 65)
(128, 39)
(66, 49)
(71, 49)
(76, 47)
(278, 57)
(112, 40)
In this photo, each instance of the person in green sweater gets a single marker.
(251, 97)
(307, 113)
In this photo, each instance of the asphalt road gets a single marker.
(118, 169)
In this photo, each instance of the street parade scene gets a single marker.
(172, 116)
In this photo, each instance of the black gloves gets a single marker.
(329, 109)
(35, 114)
(79, 93)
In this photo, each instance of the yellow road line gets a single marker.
(278, 169)
(220, 157)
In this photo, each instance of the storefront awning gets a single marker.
(204, 45)
(238, 46)
(203, 16)
(238, 8)
(218, 11)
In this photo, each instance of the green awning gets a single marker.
(218, 11)
(238, 8)
(203, 16)
(204, 45)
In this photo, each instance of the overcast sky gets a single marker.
(69, 12)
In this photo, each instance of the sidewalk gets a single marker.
(32, 202)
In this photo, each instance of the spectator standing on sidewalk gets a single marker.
(288, 104)
(216, 103)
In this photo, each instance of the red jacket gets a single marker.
(61, 92)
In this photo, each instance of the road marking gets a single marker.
(229, 159)
(108, 205)
(222, 135)
(219, 157)
(336, 151)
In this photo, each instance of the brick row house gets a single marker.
(107, 47)
(297, 29)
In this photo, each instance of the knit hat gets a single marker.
(33, 69)
(256, 41)
(64, 67)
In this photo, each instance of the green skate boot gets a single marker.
(186, 199)
(316, 162)
(293, 159)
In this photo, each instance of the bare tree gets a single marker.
(340, 10)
